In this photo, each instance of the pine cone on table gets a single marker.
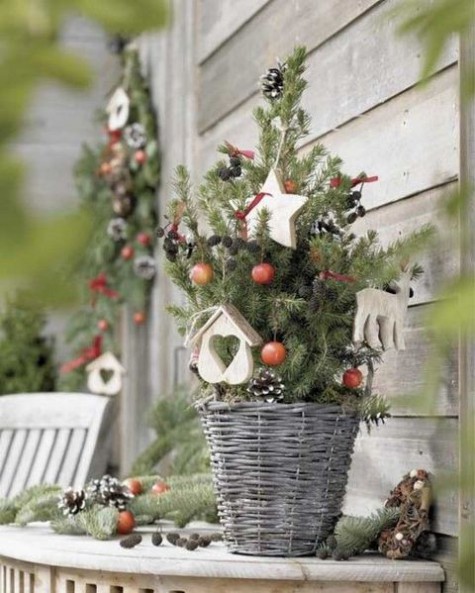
(71, 502)
(109, 492)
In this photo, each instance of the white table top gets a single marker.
(38, 544)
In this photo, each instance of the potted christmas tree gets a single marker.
(284, 304)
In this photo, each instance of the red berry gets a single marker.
(139, 317)
(114, 135)
(144, 239)
(290, 186)
(352, 378)
(160, 487)
(263, 273)
(201, 274)
(273, 353)
(125, 522)
(133, 485)
(140, 157)
(127, 252)
(103, 325)
(105, 169)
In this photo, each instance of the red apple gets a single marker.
(263, 273)
(140, 157)
(139, 317)
(103, 325)
(273, 353)
(133, 485)
(160, 487)
(352, 378)
(290, 186)
(201, 274)
(127, 252)
(144, 239)
(125, 522)
(105, 169)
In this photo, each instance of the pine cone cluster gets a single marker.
(267, 386)
(109, 492)
(71, 502)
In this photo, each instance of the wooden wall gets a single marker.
(367, 108)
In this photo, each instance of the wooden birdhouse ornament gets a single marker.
(118, 110)
(283, 208)
(105, 375)
(226, 321)
(380, 315)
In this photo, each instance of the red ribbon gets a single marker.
(329, 275)
(336, 181)
(88, 354)
(174, 228)
(241, 214)
(235, 151)
(99, 285)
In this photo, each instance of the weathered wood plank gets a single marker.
(218, 20)
(24, 465)
(418, 588)
(343, 67)
(14, 455)
(42, 455)
(72, 457)
(390, 451)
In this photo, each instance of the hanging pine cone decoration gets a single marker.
(272, 82)
(124, 205)
(135, 136)
(144, 267)
(117, 229)
(109, 492)
(71, 502)
(267, 386)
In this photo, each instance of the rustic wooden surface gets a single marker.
(51, 438)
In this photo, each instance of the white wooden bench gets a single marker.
(51, 438)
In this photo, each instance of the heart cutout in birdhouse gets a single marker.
(226, 347)
(106, 375)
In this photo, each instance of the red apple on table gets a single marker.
(263, 273)
(134, 486)
(201, 274)
(160, 487)
(125, 522)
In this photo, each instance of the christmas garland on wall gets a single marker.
(117, 182)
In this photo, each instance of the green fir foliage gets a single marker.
(26, 356)
(108, 179)
(180, 446)
(310, 313)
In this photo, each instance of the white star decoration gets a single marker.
(283, 208)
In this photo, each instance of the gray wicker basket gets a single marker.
(280, 473)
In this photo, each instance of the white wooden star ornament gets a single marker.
(283, 208)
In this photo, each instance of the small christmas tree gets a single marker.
(264, 246)
(26, 356)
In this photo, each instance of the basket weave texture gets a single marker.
(280, 473)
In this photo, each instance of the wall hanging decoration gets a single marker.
(105, 375)
(269, 241)
(117, 182)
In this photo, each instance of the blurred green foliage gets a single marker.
(37, 249)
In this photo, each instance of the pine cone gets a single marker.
(109, 492)
(71, 502)
(267, 385)
(272, 82)
(144, 267)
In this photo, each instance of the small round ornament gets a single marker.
(290, 186)
(140, 157)
(103, 325)
(125, 522)
(263, 273)
(105, 169)
(139, 318)
(273, 353)
(127, 252)
(201, 274)
(123, 205)
(160, 487)
(144, 239)
(352, 378)
(133, 485)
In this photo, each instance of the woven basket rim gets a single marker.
(333, 409)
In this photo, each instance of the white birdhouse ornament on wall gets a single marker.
(380, 315)
(105, 375)
(226, 321)
(283, 208)
(118, 110)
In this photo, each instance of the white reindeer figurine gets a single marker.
(380, 315)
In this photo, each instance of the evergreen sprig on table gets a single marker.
(310, 303)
